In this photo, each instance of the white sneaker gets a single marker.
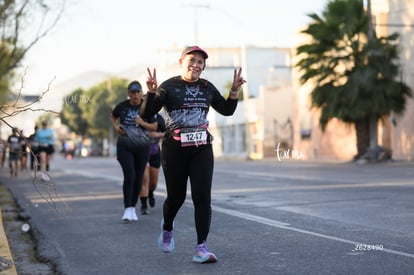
(127, 217)
(133, 214)
(44, 176)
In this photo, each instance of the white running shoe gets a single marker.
(127, 217)
(134, 216)
(44, 176)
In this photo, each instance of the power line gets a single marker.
(399, 25)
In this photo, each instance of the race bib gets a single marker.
(193, 136)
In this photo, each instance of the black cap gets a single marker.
(134, 86)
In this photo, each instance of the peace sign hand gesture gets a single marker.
(238, 80)
(152, 81)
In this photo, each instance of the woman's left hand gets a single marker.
(238, 80)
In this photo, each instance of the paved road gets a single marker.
(269, 217)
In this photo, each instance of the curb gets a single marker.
(5, 253)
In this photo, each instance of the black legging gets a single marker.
(133, 161)
(179, 164)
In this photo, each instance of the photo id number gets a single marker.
(368, 247)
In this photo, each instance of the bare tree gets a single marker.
(17, 16)
(46, 189)
(23, 23)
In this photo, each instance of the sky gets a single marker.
(114, 35)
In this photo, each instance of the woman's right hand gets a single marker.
(120, 130)
(152, 81)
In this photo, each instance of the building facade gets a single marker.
(401, 19)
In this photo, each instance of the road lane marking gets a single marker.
(315, 187)
(287, 226)
(119, 179)
(271, 177)
(249, 217)
(77, 197)
(89, 174)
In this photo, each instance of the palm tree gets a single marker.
(354, 77)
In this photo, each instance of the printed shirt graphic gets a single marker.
(187, 103)
(14, 144)
(126, 113)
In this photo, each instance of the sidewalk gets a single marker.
(7, 266)
(17, 248)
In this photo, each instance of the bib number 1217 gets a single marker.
(191, 137)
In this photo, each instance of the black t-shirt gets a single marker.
(187, 104)
(14, 143)
(127, 113)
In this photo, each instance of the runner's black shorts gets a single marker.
(155, 160)
(48, 149)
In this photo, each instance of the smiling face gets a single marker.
(135, 97)
(192, 65)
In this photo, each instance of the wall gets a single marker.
(401, 15)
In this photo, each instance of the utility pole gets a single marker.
(195, 7)
(111, 142)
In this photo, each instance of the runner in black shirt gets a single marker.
(186, 148)
(13, 142)
(131, 153)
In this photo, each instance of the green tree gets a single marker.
(354, 77)
(72, 112)
(98, 110)
(87, 112)
(103, 97)
(23, 23)
(48, 117)
(4, 87)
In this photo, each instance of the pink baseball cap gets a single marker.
(191, 49)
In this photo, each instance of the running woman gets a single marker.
(186, 148)
(13, 142)
(46, 138)
(131, 155)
